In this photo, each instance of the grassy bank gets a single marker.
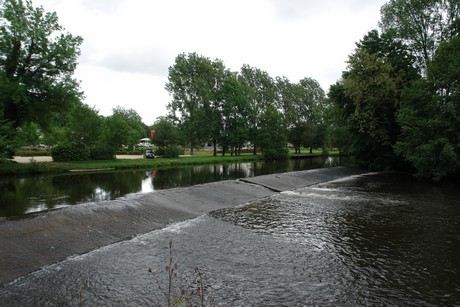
(199, 158)
(11, 168)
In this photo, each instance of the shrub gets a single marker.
(72, 151)
(101, 152)
(169, 151)
(275, 153)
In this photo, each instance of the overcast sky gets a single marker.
(129, 44)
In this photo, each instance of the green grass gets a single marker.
(10, 168)
(199, 158)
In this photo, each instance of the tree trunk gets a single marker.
(215, 147)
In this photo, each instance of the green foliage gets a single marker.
(101, 152)
(421, 24)
(37, 60)
(261, 92)
(6, 136)
(193, 82)
(430, 118)
(235, 111)
(71, 151)
(272, 137)
(169, 151)
(370, 96)
(166, 134)
(303, 105)
(124, 127)
(85, 122)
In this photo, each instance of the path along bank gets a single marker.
(30, 243)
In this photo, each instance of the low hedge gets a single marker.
(72, 151)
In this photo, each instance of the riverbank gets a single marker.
(44, 164)
(41, 239)
(36, 165)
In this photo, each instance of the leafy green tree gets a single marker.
(166, 134)
(261, 95)
(430, 117)
(192, 85)
(272, 137)
(375, 84)
(86, 123)
(235, 113)
(6, 140)
(303, 105)
(340, 118)
(421, 24)
(123, 127)
(37, 61)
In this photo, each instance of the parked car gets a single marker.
(149, 154)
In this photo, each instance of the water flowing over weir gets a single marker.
(324, 237)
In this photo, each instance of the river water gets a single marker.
(23, 195)
(374, 240)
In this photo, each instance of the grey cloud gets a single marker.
(145, 61)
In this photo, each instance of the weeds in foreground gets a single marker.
(191, 296)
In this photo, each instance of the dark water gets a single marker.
(371, 240)
(22, 195)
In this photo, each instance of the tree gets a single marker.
(235, 113)
(340, 118)
(430, 117)
(261, 95)
(124, 127)
(272, 137)
(375, 84)
(422, 24)
(192, 85)
(37, 61)
(166, 134)
(6, 139)
(85, 123)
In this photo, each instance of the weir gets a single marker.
(41, 239)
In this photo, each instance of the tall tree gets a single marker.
(375, 86)
(422, 24)
(124, 127)
(235, 113)
(262, 95)
(303, 106)
(85, 122)
(166, 134)
(191, 83)
(430, 117)
(37, 61)
(272, 137)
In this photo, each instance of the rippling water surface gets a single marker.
(379, 239)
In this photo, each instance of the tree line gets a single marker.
(211, 103)
(396, 105)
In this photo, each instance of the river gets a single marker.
(373, 239)
(21, 195)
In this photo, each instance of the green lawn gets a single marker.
(11, 168)
(199, 157)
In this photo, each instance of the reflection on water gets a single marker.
(371, 240)
(19, 196)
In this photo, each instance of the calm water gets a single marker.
(22, 195)
(371, 240)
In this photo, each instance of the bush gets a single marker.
(169, 151)
(275, 153)
(72, 151)
(101, 152)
